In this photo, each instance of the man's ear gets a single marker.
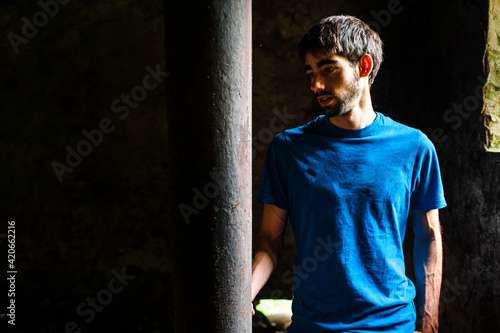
(365, 65)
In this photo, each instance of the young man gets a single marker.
(347, 182)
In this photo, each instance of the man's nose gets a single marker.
(317, 84)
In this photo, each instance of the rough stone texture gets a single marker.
(491, 109)
(111, 211)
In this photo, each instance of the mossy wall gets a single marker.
(491, 110)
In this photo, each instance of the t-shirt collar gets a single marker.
(335, 131)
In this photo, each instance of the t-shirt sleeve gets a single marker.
(274, 188)
(427, 192)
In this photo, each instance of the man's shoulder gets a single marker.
(312, 127)
(407, 133)
(394, 126)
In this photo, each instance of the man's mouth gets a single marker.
(325, 100)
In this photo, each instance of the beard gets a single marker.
(345, 100)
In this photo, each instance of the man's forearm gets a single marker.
(262, 268)
(428, 260)
(268, 246)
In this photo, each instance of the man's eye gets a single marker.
(310, 75)
(329, 70)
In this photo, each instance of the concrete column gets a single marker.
(208, 56)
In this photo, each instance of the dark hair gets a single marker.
(346, 36)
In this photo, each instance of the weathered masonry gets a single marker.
(491, 90)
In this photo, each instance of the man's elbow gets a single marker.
(427, 226)
(272, 246)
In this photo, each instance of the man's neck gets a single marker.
(361, 115)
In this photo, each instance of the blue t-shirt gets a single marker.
(349, 193)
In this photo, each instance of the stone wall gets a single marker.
(491, 109)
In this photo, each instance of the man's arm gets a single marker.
(428, 261)
(268, 246)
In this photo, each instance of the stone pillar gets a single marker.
(208, 56)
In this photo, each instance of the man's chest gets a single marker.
(345, 172)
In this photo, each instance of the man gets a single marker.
(347, 182)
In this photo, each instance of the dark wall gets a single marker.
(110, 212)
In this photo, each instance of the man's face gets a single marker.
(335, 82)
